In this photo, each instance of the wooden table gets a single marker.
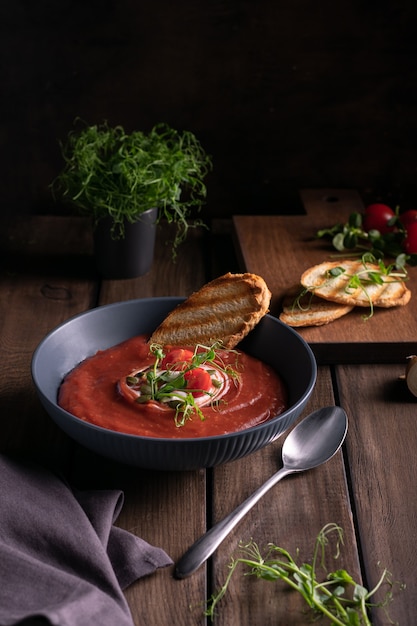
(46, 276)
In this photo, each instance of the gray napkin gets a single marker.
(62, 561)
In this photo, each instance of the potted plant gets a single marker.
(127, 182)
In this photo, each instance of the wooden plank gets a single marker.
(280, 248)
(42, 283)
(169, 511)
(166, 509)
(291, 516)
(158, 504)
(383, 466)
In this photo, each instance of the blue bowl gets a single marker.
(81, 336)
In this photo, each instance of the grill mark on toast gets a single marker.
(225, 309)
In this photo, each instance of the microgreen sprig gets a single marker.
(338, 597)
(169, 385)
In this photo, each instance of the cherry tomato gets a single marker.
(199, 379)
(408, 217)
(410, 242)
(177, 359)
(377, 217)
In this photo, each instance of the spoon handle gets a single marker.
(204, 547)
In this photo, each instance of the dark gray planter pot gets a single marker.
(130, 256)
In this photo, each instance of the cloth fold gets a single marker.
(62, 560)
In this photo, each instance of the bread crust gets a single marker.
(224, 310)
(305, 309)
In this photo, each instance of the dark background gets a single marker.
(283, 94)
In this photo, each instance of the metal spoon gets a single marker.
(312, 442)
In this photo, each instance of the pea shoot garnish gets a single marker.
(337, 597)
(182, 380)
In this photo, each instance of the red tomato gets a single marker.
(410, 242)
(377, 217)
(199, 379)
(408, 217)
(177, 359)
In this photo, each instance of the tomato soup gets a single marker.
(92, 393)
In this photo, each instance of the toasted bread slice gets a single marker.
(339, 288)
(225, 309)
(305, 309)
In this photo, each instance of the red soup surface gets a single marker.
(91, 392)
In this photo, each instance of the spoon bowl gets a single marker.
(315, 440)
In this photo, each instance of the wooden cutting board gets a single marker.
(281, 247)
